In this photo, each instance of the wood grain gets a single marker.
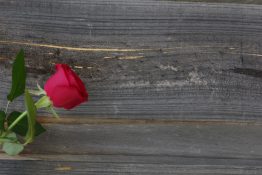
(175, 87)
(142, 59)
(153, 149)
(218, 141)
(108, 164)
(224, 1)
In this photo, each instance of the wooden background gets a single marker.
(175, 87)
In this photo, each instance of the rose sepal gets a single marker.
(38, 92)
(45, 102)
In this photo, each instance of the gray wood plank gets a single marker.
(143, 59)
(154, 61)
(206, 140)
(108, 164)
(141, 149)
(224, 1)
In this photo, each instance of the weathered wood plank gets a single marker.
(143, 59)
(142, 149)
(126, 164)
(157, 73)
(224, 1)
(216, 141)
(148, 165)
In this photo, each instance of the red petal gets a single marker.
(66, 97)
(58, 79)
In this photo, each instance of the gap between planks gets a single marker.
(123, 121)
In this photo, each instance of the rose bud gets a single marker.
(65, 89)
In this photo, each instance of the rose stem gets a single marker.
(17, 120)
(20, 117)
(7, 106)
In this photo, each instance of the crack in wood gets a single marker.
(76, 48)
(248, 71)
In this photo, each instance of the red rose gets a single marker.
(65, 89)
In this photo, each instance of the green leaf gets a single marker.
(2, 120)
(18, 77)
(31, 117)
(22, 126)
(10, 137)
(12, 147)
